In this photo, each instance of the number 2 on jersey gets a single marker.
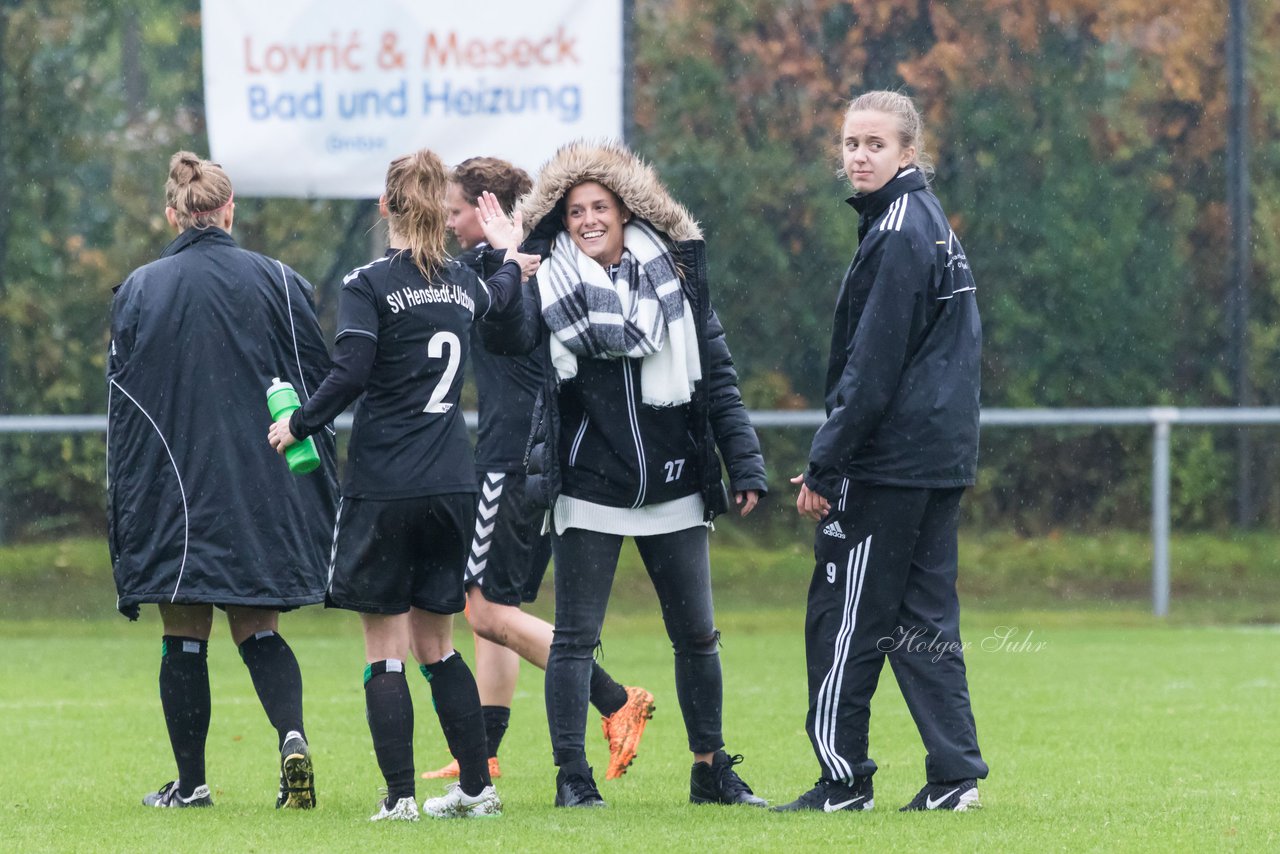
(436, 347)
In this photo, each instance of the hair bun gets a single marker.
(197, 190)
(185, 167)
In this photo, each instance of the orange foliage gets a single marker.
(796, 57)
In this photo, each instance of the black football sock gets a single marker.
(389, 709)
(606, 695)
(184, 696)
(277, 679)
(496, 719)
(457, 702)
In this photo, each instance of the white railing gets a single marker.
(1161, 418)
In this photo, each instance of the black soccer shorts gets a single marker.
(390, 555)
(509, 552)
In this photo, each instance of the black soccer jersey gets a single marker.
(409, 437)
(507, 386)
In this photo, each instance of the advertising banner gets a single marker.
(312, 98)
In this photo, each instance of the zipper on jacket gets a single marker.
(633, 419)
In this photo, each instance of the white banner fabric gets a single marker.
(313, 98)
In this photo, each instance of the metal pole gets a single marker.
(1160, 514)
(1238, 220)
(628, 72)
(6, 199)
(379, 236)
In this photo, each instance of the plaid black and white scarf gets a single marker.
(640, 313)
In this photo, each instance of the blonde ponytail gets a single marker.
(416, 185)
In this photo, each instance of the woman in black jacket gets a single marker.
(510, 550)
(641, 393)
(200, 512)
(886, 473)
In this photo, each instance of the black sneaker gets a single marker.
(297, 778)
(168, 797)
(577, 789)
(718, 783)
(830, 796)
(956, 796)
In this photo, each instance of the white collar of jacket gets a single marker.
(871, 205)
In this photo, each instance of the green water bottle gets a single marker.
(282, 400)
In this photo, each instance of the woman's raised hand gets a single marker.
(502, 231)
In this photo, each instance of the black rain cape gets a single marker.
(200, 509)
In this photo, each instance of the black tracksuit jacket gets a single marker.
(903, 379)
(507, 386)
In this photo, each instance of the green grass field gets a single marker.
(1216, 577)
(1105, 731)
(1105, 728)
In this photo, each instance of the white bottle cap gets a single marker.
(277, 384)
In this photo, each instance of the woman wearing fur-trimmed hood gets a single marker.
(641, 394)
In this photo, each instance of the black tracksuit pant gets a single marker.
(884, 584)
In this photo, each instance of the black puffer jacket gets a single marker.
(716, 417)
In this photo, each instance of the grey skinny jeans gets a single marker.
(679, 565)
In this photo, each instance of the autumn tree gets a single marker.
(1080, 154)
(94, 100)
(1079, 151)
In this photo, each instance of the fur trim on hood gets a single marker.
(615, 166)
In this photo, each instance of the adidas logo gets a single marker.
(834, 530)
